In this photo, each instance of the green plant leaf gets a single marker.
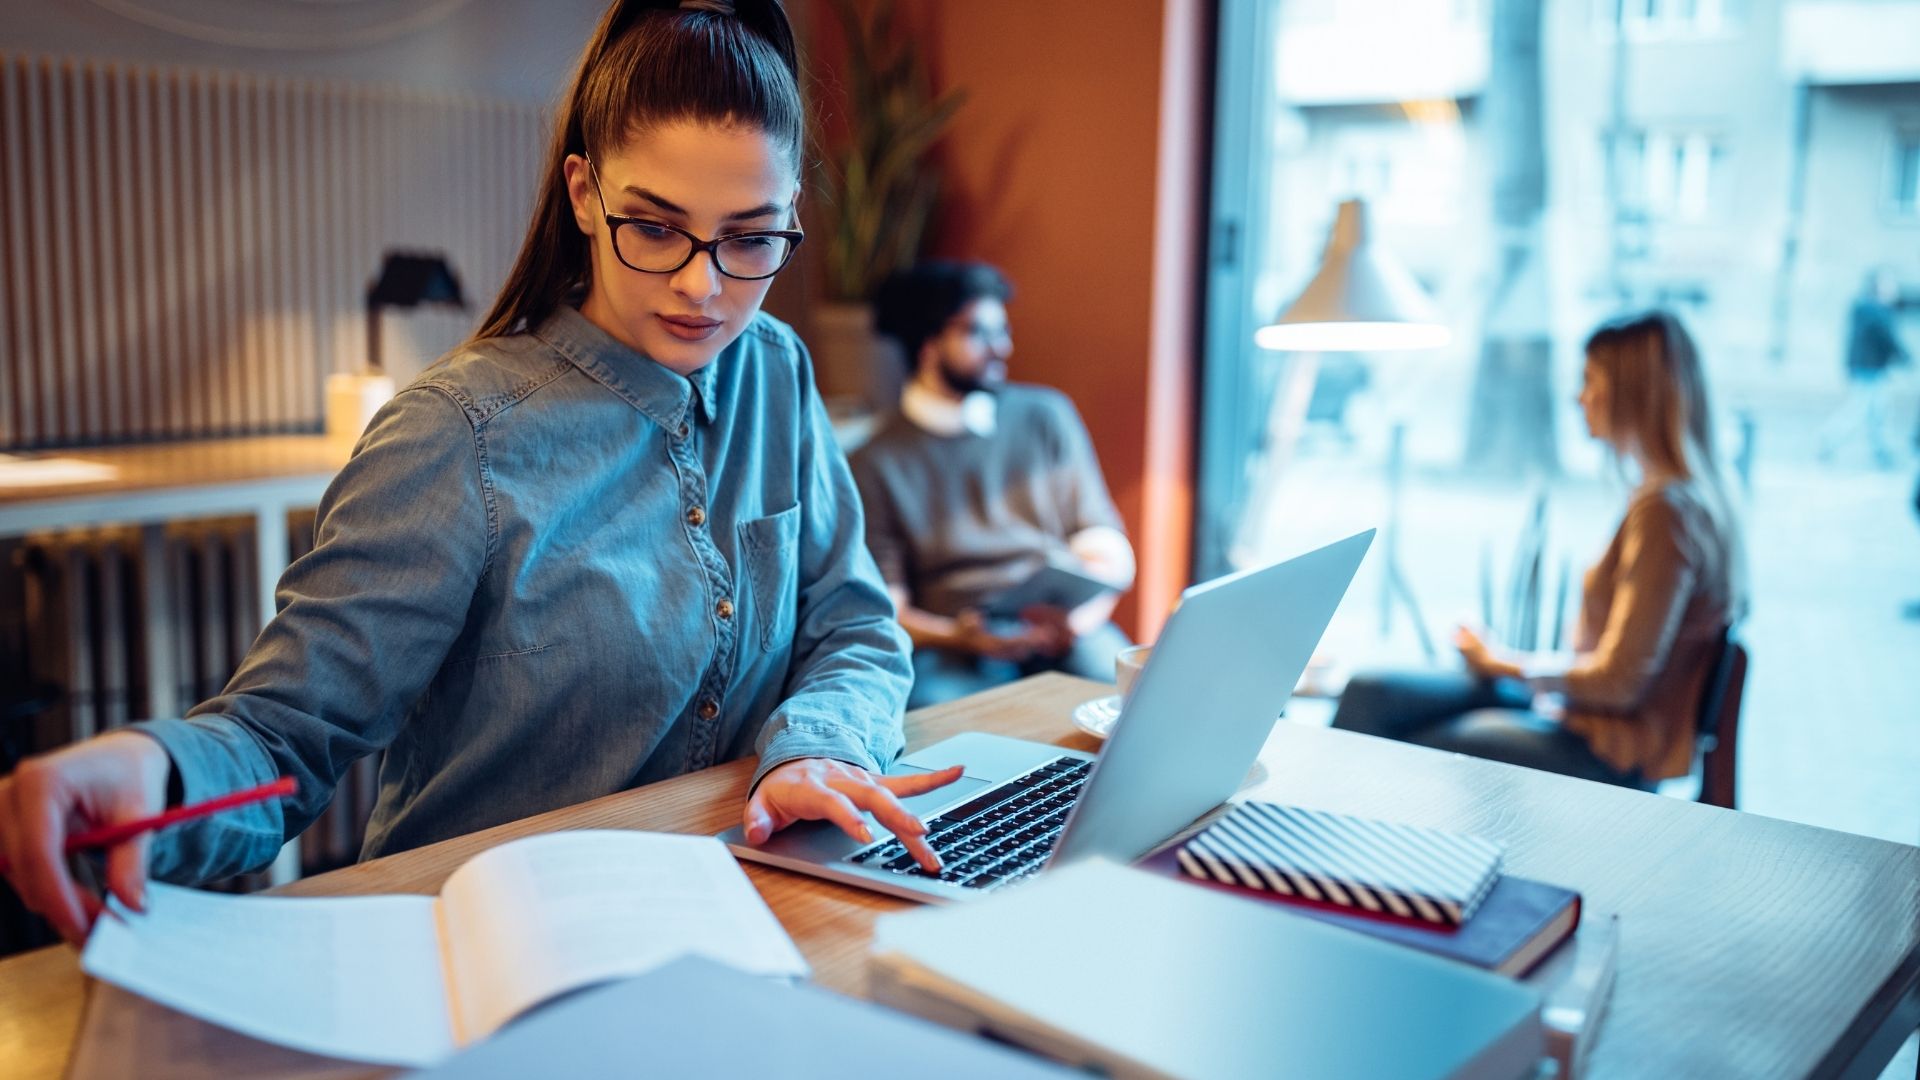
(884, 187)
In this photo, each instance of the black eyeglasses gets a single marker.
(655, 247)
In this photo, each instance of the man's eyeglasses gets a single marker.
(984, 334)
(655, 247)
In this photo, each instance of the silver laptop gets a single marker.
(1216, 681)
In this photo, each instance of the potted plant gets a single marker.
(882, 186)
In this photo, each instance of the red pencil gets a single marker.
(113, 834)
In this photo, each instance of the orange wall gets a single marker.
(1075, 167)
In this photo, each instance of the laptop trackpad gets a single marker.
(925, 806)
(987, 757)
(990, 759)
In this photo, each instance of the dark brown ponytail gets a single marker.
(648, 64)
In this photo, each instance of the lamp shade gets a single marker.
(1361, 300)
(408, 279)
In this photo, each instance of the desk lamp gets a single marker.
(1362, 300)
(406, 280)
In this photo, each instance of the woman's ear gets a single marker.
(580, 192)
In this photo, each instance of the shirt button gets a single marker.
(683, 431)
(696, 516)
(709, 709)
(725, 608)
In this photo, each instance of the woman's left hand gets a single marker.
(1473, 648)
(1480, 657)
(809, 789)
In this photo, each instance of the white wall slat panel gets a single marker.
(185, 253)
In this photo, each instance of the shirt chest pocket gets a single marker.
(772, 549)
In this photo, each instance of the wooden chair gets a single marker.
(1718, 737)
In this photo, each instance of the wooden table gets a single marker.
(153, 484)
(1748, 946)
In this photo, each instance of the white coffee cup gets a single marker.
(1127, 664)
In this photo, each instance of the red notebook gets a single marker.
(1515, 927)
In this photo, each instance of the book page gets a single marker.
(359, 978)
(536, 917)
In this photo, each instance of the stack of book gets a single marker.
(1129, 974)
(1331, 953)
(1436, 891)
(1440, 892)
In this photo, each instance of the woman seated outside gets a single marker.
(1654, 608)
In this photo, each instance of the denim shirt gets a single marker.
(553, 570)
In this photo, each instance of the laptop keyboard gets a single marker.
(1002, 836)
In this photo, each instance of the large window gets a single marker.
(1538, 177)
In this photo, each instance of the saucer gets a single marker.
(1096, 717)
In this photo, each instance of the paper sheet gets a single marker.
(537, 917)
(19, 472)
(356, 977)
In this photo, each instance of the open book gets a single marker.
(407, 980)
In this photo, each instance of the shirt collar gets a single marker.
(656, 390)
(935, 414)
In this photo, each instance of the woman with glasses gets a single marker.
(608, 541)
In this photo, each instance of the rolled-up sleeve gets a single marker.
(848, 680)
(365, 621)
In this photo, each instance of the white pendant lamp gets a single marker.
(1360, 301)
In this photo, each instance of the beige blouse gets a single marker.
(1652, 616)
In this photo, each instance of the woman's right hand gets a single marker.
(117, 777)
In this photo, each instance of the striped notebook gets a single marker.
(1402, 871)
